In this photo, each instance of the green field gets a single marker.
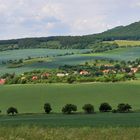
(74, 121)
(54, 60)
(125, 54)
(31, 98)
(53, 54)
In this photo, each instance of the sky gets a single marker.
(41, 18)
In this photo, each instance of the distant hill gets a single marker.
(129, 32)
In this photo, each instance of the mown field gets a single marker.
(31, 98)
(126, 43)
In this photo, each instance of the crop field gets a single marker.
(25, 53)
(34, 124)
(73, 120)
(54, 60)
(53, 54)
(31, 98)
(125, 54)
(125, 43)
(86, 133)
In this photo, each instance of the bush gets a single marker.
(105, 107)
(71, 79)
(114, 111)
(69, 108)
(124, 107)
(47, 108)
(88, 108)
(12, 110)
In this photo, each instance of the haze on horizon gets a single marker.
(36, 18)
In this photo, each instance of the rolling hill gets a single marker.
(129, 32)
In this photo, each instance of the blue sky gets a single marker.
(34, 18)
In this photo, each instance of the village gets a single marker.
(110, 72)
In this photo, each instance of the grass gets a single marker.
(86, 133)
(31, 98)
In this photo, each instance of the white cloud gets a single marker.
(23, 18)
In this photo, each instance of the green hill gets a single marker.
(129, 32)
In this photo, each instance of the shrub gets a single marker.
(47, 108)
(114, 111)
(105, 107)
(124, 107)
(12, 110)
(69, 108)
(71, 79)
(88, 108)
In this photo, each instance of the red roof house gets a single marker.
(2, 81)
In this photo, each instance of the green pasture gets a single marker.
(31, 98)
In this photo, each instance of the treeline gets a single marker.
(87, 108)
(130, 32)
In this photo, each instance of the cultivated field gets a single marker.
(55, 60)
(31, 98)
(86, 133)
(73, 121)
(125, 54)
(125, 43)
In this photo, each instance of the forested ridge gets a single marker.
(129, 32)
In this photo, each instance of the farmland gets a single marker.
(119, 54)
(36, 133)
(53, 54)
(74, 120)
(31, 98)
(32, 123)
(55, 58)
(126, 43)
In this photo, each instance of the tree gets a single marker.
(124, 107)
(117, 66)
(12, 110)
(105, 107)
(69, 108)
(47, 108)
(71, 79)
(88, 108)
